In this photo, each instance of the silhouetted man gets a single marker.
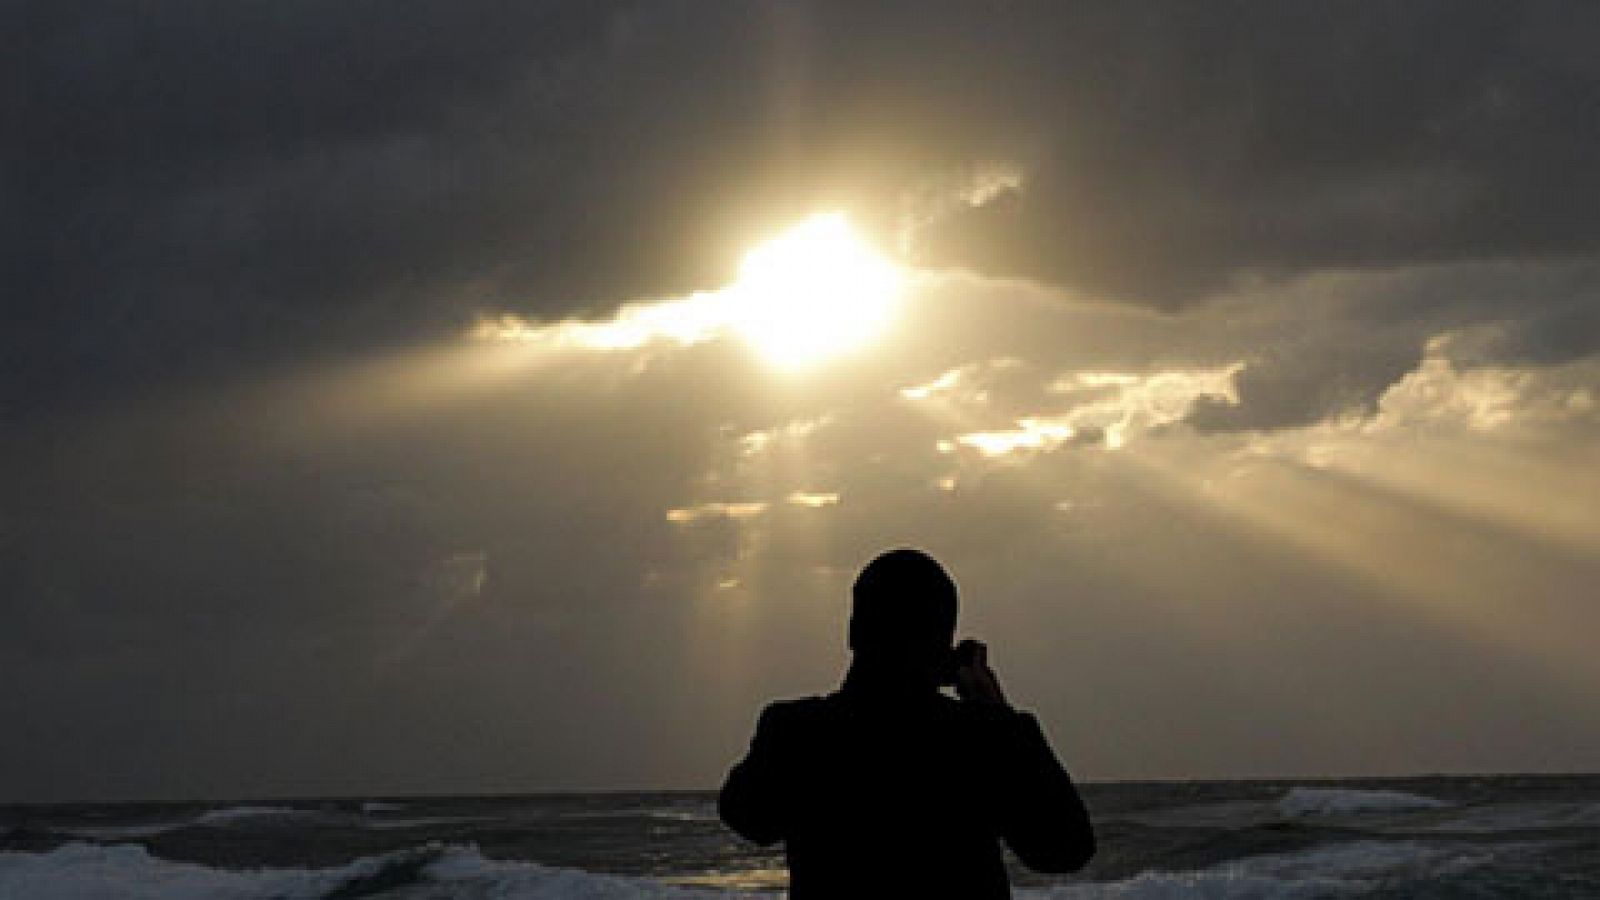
(889, 788)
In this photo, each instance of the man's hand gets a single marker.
(975, 681)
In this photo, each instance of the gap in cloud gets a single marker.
(812, 292)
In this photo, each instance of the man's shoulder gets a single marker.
(792, 709)
(830, 706)
(801, 711)
(785, 721)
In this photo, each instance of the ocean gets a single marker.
(1437, 837)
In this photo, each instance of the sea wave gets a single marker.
(434, 872)
(231, 815)
(1306, 801)
(223, 817)
(121, 832)
(80, 871)
(1334, 870)
(1513, 817)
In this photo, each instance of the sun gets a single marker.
(812, 293)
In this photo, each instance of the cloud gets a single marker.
(735, 511)
(335, 183)
(812, 499)
(757, 441)
(1098, 407)
(1443, 396)
(811, 292)
(1481, 399)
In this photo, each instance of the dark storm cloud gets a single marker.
(1284, 137)
(1331, 343)
(210, 188)
(204, 181)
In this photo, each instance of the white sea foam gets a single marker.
(216, 818)
(233, 814)
(127, 872)
(1333, 870)
(1304, 801)
(464, 872)
(683, 815)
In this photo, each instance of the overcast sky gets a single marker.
(1245, 372)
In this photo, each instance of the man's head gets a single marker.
(903, 609)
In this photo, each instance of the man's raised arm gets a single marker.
(1042, 818)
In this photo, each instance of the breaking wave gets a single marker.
(1305, 801)
(83, 871)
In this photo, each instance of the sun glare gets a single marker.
(813, 292)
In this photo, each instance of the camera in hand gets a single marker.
(963, 654)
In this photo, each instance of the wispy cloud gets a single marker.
(736, 511)
(1112, 408)
(812, 499)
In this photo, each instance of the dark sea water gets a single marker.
(1492, 836)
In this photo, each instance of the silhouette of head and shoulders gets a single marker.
(902, 627)
(889, 768)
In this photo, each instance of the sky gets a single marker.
(490, 396)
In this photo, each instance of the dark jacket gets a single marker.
(893, 790)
